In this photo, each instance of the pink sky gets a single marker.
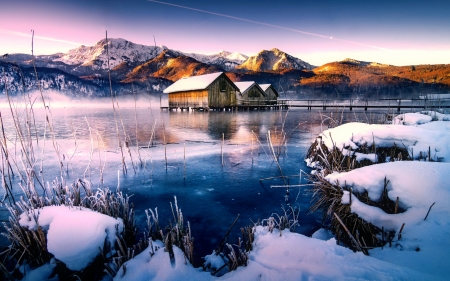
(304, 31)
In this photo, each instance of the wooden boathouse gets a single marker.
(213, 91)
(271, 93)
(216, 91)
(250, 94)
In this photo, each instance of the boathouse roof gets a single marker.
(193, 83)
(247, 85)
(265, 86)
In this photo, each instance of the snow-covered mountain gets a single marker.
(224, 59)
(274, 60)
(20, 79)
(120, 51)
(123, 51)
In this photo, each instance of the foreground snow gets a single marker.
(74, 235)
(289, 256)
(420, 254)
(424, 244)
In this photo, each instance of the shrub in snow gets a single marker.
(68, 221)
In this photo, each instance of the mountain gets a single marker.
(170, 65)
(224, 59)
(351, 75)
(84, 71)
(273, 60)
(119, 50)
(23, 79)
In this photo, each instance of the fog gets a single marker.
(55, 99)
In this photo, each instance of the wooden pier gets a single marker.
(245, 106)
(324, 104)
(366, 104)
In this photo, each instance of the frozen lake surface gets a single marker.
(211, 190)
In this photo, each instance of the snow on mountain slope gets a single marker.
(274, 60)
(224, 59)
(120, 50)
(123, 51)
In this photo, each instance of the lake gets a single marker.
(213, 162)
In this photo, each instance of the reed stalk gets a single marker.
(221, 148)
(124, 167)
(135, 121)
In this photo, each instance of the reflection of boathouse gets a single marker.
(216, 91)
(207, 91)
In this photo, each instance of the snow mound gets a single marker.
(411, 119)
(74, 235)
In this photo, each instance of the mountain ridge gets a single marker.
(155, 67)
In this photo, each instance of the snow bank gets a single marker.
(411, 119)
(74, 235)
(415, 139)
(159, 266)
(425, 243)
(437, 115)
(420, 118)
(290, 256)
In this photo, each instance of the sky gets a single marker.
(400, 32)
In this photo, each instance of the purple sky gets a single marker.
(395, 32)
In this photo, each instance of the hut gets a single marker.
(271, 93)
(250, 93)
(204, 92)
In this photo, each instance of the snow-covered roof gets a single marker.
(244, 86)
(200, 82)
(265, 86)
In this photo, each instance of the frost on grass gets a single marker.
(74, 235)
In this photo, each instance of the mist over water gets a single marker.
(211, 191)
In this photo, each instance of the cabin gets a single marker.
(250, 94)
(272, 94)
(203, 92)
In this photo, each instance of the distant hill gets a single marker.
(353, 76)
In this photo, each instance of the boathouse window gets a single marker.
(222, 85)
(253, 93)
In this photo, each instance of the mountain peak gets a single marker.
(273, 60)
(120, 50)
(363, 63)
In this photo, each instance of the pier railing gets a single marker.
(367, 103)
